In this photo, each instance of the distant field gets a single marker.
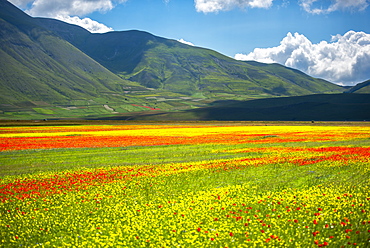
(190, 184)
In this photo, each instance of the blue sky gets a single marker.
(282, 31)
(234, 31)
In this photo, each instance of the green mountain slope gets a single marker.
(363, 87)
(318, 107)
(37, 65)
(161, 63)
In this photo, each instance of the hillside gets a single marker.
(167, 64)
(36, 65)
(318, 107)
(363, 87)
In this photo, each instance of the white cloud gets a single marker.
(319, 7)
(20, 3)
(86, 23)
(185, 42)
(311, 6)
(344, 60)
(70, 11)
(208, 6)
(47, 8)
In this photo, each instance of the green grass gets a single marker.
(44, 111)
(32, 161)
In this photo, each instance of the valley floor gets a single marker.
(191, 184)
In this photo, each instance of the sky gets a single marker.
(327, 39)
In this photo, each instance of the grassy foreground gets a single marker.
(187, 185)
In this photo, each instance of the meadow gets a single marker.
(185, 185)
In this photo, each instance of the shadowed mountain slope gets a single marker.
(363, 87)
(318, 107)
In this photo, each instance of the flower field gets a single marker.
(185, 185)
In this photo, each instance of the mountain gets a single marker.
(37, 65)
(363, 87)
(318, 107)
(52, 69)
(167, 64)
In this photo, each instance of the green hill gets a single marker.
(363, 87)
(38, 68)
(36, 65)
(167, 64)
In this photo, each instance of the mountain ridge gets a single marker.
(363, 87)
(161, 63)
(45, 67)
(52, 69)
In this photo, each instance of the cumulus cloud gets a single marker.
(69, 11)
(310, 6)
(47, 8)
(86, 23)
(344, 60)
(207, 6)
(20, 3)
(317, 6)
(185, 42)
